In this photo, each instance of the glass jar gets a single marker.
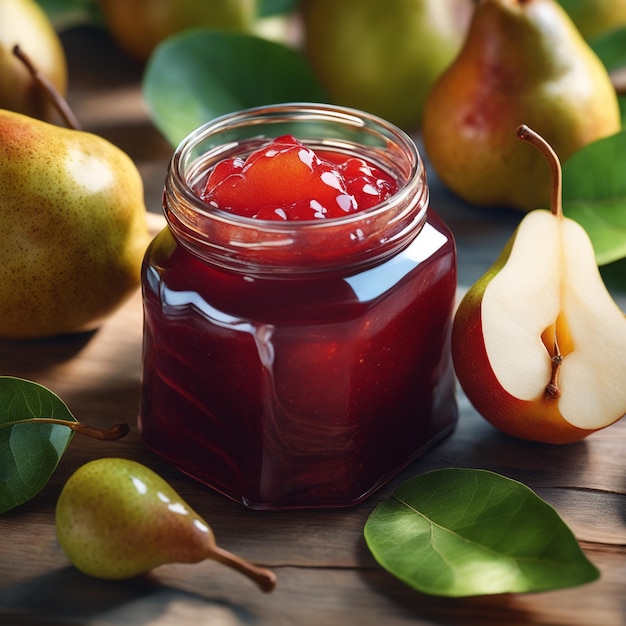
(297, 364)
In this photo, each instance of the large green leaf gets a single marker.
(29, 452)
(462, 532)
(196, 76)
(594, 194)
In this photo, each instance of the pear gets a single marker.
(139, 26)
(523, 61)
(538, 343)
(383, 57)
(73, 228)
(595, 18)
(117, 519)
(24, 23)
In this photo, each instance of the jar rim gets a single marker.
(387, 141)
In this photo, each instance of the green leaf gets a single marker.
(614, 276)
(276, 7)
(594, 194)
(611, 48)
(463, 532)
(65, 14)
(201, 74)
(29, 452)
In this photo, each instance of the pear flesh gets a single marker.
(549, 280)
(538, 343)
(117, 519)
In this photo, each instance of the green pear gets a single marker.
(523, 61)
(383, 57)
(139, 26)
(72, 224)
(596, 17)
(117, 519)
(24, 23)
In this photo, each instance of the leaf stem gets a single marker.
(43, 83)
(524, 133)
(113, 433)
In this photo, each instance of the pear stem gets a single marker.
(264, 578)
(556, 206)
(113, 433)
(44, 84)
(530, 136)
(552, 390)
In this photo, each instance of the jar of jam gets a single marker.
(301, 363)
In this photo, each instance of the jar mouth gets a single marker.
(231, 239)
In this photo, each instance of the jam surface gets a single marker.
(286, 180)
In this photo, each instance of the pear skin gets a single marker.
(117, 519)
(161, 18)
(523, 62)
(73, 228)
(383, 57)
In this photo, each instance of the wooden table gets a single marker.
(325, 572)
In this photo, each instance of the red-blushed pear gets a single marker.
(538, 343)
(521, 60)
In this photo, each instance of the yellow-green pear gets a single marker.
(24, 23)
(523, 61)
(72, 224)
(538, 343)
(594, 18)
(383, 57)
(117, 519)
(139, 26)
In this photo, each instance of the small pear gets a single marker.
(23, 23)
(523, 61)
(117, 519)
(538, 343)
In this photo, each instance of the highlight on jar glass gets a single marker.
(297, 308)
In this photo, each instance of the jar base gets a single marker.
(309, 503)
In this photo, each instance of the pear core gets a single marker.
(550, 289)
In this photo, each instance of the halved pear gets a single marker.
(539, 344)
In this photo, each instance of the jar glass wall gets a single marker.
(297, 364)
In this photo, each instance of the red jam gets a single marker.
(292, 363)
(286, 180)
